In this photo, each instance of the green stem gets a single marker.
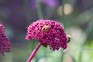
(63, 15)
(39, 10)
(89, 28)
(80, 56)
(62, 56)
(27, 11)
(63, 21)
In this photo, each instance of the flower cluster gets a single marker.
(49, 33)
(4, 42)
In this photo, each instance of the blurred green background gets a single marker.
(75, 15)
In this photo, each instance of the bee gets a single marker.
(68, 38)
(45, 28)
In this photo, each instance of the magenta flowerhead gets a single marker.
(4, 42)
(49, 33)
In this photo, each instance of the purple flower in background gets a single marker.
(32, 4)
(4, 42)
(48, 33)
(51, 3)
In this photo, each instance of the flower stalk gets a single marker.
(34, 52)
